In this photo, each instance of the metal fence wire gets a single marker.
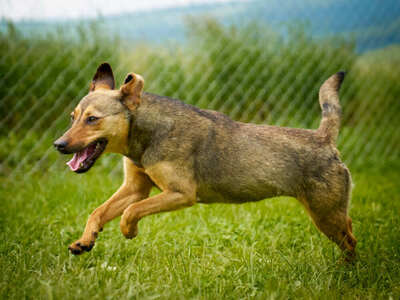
(253, 66)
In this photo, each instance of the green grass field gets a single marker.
(264, 250)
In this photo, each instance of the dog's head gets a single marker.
(101, 121)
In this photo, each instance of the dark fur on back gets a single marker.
(232, 161)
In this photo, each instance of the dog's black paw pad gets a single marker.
(75, 251)
(79, 248)
(87, 248)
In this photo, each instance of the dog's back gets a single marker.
(239, 162)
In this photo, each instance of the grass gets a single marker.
(264, 250)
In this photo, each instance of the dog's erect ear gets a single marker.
(103, 79)
(131, 90)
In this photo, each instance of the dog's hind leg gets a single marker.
(327, 207)
(179, 191)
(136, 187)
(165, 201)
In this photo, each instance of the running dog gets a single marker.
(202, 156)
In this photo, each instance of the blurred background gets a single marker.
(257, 61)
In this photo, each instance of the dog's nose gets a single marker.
(60, 145)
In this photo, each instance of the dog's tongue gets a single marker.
(79, 157)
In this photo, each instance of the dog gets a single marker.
(202, 156)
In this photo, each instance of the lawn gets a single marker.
(264, 250)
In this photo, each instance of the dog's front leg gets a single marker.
(165, 201)
(127, 194)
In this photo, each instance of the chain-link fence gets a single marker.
(248, 64)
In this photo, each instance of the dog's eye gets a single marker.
(91, 119)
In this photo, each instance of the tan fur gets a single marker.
(202, 156)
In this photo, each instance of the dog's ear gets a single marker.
(103, 79)
(131, 90)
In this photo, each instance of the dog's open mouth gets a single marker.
(83, 160)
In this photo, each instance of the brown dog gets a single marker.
(196, 155)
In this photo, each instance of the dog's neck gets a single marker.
(148, 125)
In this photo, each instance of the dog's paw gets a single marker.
(348, 258)
(80, 246)
(129, 230)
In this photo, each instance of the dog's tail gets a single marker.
(331, 111)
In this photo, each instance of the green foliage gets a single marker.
(264, 250)
(250, 73)
(44, 75)
(260, 76)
